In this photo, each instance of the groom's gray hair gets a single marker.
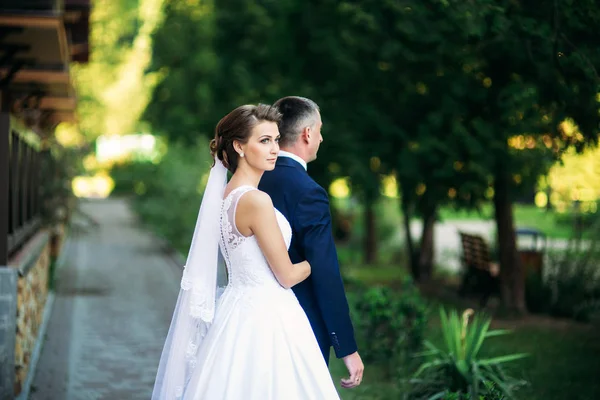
(297, 113)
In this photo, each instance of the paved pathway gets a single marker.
(114, 300)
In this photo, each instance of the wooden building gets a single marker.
(39, 39)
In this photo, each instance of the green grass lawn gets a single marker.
(563, 361)
(528, 216)
(452, 214)
(563, 364)
(389, 217)
(372, 387)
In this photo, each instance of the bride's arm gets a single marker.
(256, 212)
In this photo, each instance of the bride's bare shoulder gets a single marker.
(256, 200)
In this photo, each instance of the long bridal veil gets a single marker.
(196, 303)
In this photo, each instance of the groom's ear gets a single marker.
(306, 133)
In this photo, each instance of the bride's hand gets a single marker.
(304, 266)
(255, 212)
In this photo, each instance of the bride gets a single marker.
(255, 342)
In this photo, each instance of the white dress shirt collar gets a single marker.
(294, 157)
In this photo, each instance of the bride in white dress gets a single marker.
(257, 343)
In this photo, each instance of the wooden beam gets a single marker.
(39, 76)
(79, 48)
(30, 21)
(71, 17)
(65, 54)
(63, 116)
(58, 103)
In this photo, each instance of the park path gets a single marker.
(113, 304)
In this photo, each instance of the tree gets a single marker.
(433, 91)
(112, 88)
(182, 104)
(533, 77)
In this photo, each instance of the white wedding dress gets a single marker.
(260, 345)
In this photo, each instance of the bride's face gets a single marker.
(261, 150)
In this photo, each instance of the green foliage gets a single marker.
(444, 86)
(458, 367)
(58, 167)
(133, 178)
(538, 295)
(562, 361)
(182, 104)
(583, 221)
(391, 325)
(429, 91)
(576, 177)
(113, 88)
(571, 285)
(492, 393)
(177, 182)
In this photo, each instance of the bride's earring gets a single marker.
(242, 155)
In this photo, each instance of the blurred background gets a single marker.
(460, 153)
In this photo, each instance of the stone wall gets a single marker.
(32, 292)
(23, 296)
(57, 240)
(8, 305)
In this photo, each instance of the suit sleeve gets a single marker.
(313, 219)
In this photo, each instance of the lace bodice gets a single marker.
(246, 263)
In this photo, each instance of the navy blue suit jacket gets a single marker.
(306, 206)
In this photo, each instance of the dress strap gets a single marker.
(232, 237)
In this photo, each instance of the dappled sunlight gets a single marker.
(69, 135)
(541, 199)
(97, 186)
(577, 178)
(389, 186)
(120, 148)
(115, 86)
(340, 188)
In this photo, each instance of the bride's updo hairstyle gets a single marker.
(238, 125)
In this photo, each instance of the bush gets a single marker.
(390, 324)
(585, 221)
(492, 394)
(167, 195)
(58, 166)
(134, 178)
(571, 284)
(537, 294)
(457, 370)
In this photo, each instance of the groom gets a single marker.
(306, 206)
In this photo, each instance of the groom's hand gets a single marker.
(355, 369)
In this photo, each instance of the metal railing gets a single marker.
(20, 202)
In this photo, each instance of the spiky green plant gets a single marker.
(458, 368)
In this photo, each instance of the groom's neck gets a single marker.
(297, 151)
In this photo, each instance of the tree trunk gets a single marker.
(548, 195)
(511, 271)
(426, 250)
(370, 233)
(410, 246)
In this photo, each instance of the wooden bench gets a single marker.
(481, 274)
